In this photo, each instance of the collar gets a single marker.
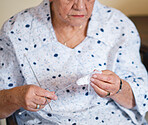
(45, 14)
(99, 19)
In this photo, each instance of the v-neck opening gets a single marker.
(59, 43)
(51, 30)
(55, 38)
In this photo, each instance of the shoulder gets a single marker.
(112, 26)
(111, 16)
(26, 18)
(19, 18)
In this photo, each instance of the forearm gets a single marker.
(8, 104)
(125, 97)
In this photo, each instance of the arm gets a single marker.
(127, 65)
(110, 82)
(125, 97)
(7, 103)
(27, 96)
(13, 94)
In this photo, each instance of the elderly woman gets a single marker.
(43, 52)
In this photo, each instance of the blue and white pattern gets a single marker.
(112, 43)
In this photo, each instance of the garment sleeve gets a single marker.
(130, 68)
(10, 73)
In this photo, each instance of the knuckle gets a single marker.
(107, 87)
(113, 89)
(27, 104)
(114, 79)
(48, 94)
(30, 87)
(43, 101)
(52, 96)
(27, 97)
(109, 78)
(101, 95)
(48, 100)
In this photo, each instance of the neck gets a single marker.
(66, 33)
(63, 27)
(67, 29)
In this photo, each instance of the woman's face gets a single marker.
(73, 12)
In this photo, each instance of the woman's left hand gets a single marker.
(106, 84)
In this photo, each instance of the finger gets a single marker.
(104, 77)
(107, 72)
(104, 71)
(40, 100)
(34, 108)
(101, 84)
(45, 93)
(102, 93)
(31, 105)
(40, 107)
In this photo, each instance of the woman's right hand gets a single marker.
(29, 96)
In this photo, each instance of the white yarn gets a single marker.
(86, 79)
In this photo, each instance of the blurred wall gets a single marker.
(130, 7)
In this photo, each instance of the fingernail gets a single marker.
(55, 97)
(91, 84)
(95, 76)
(91, 79)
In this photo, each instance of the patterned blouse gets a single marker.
(112, 43)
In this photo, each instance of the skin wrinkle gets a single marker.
(68, 10)
(130, 100)
(65, 23)
(110, 78)
(7, 98)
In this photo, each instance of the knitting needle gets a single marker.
(20, 113)
(36, 78)
(63, 89)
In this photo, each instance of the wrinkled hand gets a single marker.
(29, 96)
(107, 82)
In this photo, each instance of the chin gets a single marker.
(77, 22)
